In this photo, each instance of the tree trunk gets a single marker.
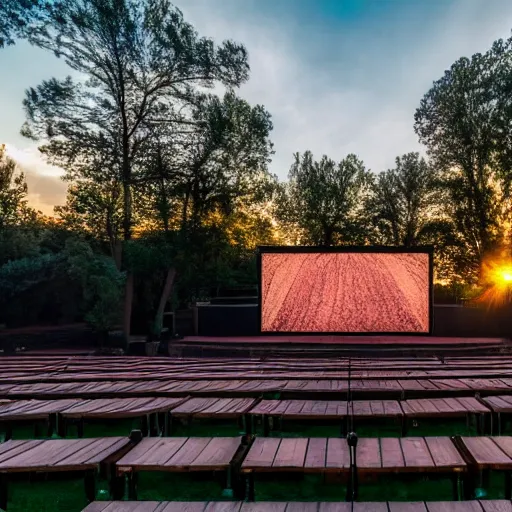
(127, 224)
(166, 293)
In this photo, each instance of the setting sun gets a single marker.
(507, 275)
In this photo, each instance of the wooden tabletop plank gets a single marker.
(221, 506)
(291, 453)
(416, 453)
(485, 452)
(302, 507)
(218, 453)
(316, 453)
(189, 451)
(496, 506)
(504, 443)
(338, 455)
(264, 507)
(391, 453)
(454, 506)
(152, 452)
(262, 453)
(397, 506)
(502, 403)
(368, 453)
(444, 453)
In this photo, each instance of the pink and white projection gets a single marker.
(345, 292)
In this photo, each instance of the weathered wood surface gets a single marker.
(120, 407)
(489, 452)
(180, 454)
(327, 409)
(58, 454)
(210, 407)
(34, 409)
(254, 388)
(89, 368)
(458, 406)
(501, 403)
(409, 454)
(236, 506)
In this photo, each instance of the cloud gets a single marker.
(351, 90)
(45, 186)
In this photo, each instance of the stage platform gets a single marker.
(386, 346)
(341, 340)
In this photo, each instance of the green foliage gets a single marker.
(465, 120)
(324, 199)
(101, 284)
(405, 203)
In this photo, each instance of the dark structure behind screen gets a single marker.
(345, 290)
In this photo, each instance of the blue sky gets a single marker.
(338, 76)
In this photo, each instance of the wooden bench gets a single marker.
(272, 410)
(35, 411)
(155, 412)
(180, 454)
(59, 455)
(447, 408)
(500, 405)
(488, 453)
(236, 506)
(215, 408)
(434, 455)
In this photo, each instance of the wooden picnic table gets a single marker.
(487, 454)
(435, 455)
(59, 455)
(149, 408)
(215, 408)
(237, 506)
(35, 411)
(270, 410)
(447, 408)
(501, 404)
(180, 454)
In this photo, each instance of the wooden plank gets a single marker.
(338, 456)
(397, 506)
(189, 452)
(486, 453)
(391, 453)
(416, 453)
(218, 454)
(444, 453)
(302, 507)
(504, 443)
(151, 452)
(264, 507)
(262, 453)
(316, 453)
(496, 506)
(454, 506)
(368, 453)
(291, 453)
(221, 506)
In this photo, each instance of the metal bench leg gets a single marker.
(458, 487)
(90, 485)
(249, 487)
(508, 485)
(132, 486)
(3, 491)
(228, 491)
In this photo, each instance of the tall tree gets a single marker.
(324, 198)
(16, 17)
(13, 193)
(143, 63)
(461, 120)
(405, 202)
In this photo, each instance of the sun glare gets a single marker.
(497, 279)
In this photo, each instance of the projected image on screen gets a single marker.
(345, 292)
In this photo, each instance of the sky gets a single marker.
(338, 76)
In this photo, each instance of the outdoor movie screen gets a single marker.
(361, 290)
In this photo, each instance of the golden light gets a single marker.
(497, 279)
